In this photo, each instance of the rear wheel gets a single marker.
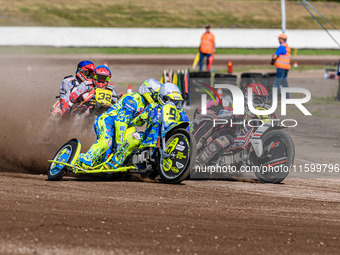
(65, 154)
(277, 158)
(181, 148)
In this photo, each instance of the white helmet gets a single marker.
(149, 90)
(169, 91)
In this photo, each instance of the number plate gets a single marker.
(103, 96)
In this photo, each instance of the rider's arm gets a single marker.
(141, 119)
(76, 96)
(183, 115)
(144, 116)
(130, 107)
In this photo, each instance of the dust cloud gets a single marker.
(28, 89)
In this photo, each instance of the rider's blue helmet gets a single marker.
(85, 70)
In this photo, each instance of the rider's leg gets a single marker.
(135, 140)
(64, 107)
(104, 130)
(132, 141)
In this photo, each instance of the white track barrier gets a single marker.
(161, 37)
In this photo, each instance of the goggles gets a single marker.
(87, 73)
(175, 96)
(101, 78)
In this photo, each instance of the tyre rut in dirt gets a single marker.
(65, 154)
(278, 156)
(181, 145)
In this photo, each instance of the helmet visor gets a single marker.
(175, 97)
(88, 73)
(101, 78)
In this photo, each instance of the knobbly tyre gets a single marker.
(266, 150)
(172, 158)
(262, 147)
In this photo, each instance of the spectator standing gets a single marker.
(207, 46)
(281, 60)
(338, 74)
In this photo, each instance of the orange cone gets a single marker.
(129, 89)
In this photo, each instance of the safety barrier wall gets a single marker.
(161, 37)
(187, 81)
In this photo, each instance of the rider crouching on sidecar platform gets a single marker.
(111, 126)
(168, 94)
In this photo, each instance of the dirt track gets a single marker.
(199, 217)
(94, 216)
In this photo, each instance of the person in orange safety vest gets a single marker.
(207, 46)
(281, 60)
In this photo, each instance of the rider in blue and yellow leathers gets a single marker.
(152, 116)
(111, 126)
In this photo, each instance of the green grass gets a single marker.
(330, 100)
(191, 51)
(313, 106)
(164, 13)
(260, 68)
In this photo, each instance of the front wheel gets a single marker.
(181, 148)
(66, 154)
(278, 155)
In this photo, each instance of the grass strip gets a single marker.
(148, 51)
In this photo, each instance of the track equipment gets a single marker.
(196, 60)
(211, 60)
